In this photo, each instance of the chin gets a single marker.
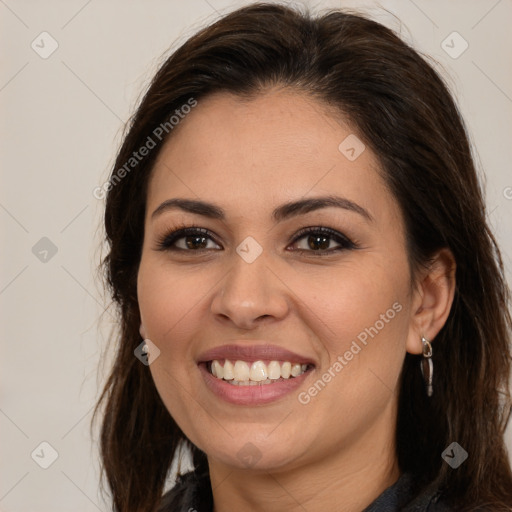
(249, 452)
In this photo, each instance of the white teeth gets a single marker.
(246, 374)
(274, 370)
(286, 370)
(258, 371)
(217, 369)
(296, 370)
(228, 370)
(241, 371)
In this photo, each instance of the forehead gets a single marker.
(254, 154)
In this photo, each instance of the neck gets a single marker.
(347, 480)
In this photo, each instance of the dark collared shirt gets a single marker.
(192, 493)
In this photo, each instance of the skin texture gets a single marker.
(248, 157)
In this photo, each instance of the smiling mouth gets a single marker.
(243, 373)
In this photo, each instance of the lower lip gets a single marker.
(251, 395)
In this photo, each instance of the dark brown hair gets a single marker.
(402, 110)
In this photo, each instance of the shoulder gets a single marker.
(192, 492)
(407, 495)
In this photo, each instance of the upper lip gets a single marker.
(251, 353)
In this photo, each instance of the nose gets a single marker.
(251, 293)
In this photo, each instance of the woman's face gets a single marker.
(332, 306)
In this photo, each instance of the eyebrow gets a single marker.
(281, 213)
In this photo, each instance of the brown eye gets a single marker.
(321, 240)
(187, 239)
(316, 240)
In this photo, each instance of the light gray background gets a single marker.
(62, 119)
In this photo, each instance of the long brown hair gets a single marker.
(403, 111)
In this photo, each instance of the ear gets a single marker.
(432, 300)
(142, 331)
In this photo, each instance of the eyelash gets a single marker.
(165, 243)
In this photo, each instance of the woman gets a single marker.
(310, 297)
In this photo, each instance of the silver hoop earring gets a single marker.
(427, 366)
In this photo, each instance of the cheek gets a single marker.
(168, 302)
(352, 300)
(360, 315)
